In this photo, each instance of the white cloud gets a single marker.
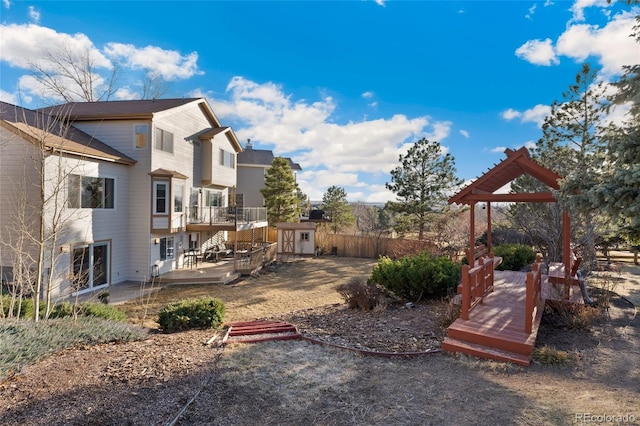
(499, 149)
(10, 98)
(538, 52)
(548, 3)
(464, 133)
(367, 95)
(510, 114)
(380, 3)
(537, 114)
(531, 11)
(580, 5)
(34, 14)
(168, 64)
(23, 45)
(6, 4)
(330, 153)
(612, 43)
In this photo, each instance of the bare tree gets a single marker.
(39, 218)
(76, 76)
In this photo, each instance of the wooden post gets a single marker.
(489, 227)
(566, 252)
(466, 294)
(472, 233)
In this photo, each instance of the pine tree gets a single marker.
(423, 182)
(280, 193)
(335, 204)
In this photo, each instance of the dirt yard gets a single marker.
(177, 379)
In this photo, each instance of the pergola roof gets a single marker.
(515, 165)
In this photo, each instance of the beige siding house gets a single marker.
(165, 172)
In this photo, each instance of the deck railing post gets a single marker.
(466, 293)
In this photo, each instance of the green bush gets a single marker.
(66, 309)
(514, 256)
(415, 277)
(203, 312)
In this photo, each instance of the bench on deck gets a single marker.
(556, 274)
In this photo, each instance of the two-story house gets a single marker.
(176, 194)
(252, 167)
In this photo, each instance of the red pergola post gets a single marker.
(472, 233)
(488, 227)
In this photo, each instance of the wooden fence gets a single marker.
(369, 246)
(477, 282)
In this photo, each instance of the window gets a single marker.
(90, 265)
(178, 197)
(141, 135)
(164, 140)
(213, 198)
(160, 195)
(304, 236)
(90, 192)
(227, 159)
(166, 248)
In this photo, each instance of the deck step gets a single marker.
(454, 345)
(260, 331)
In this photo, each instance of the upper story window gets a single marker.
(90, 192)
(227, 159)
(164, 140)
(141, 135)
(160, 197)
(213, 198)
(178, 197)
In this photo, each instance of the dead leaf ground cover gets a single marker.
(175, 377)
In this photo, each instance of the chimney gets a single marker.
(249, 146)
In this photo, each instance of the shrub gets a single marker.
(415, 277)
(358, 293)
(514, 256)
(548, 355)
(203, 312)
(100, 310)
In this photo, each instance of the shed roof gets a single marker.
(515, 165)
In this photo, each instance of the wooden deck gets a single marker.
(496, 327)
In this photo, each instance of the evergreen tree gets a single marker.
(280, 193)
(335, 204)
(572, 144)
(423, 182)
(617, 193)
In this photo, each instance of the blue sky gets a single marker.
(341, 87)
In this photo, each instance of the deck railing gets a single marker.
(225, 215)
(477, 282)
(247, 261)
(534, 293)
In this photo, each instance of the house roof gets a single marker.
(261, 157)
(143, 109)
(515, 165)
(115, 109)
(57, 135)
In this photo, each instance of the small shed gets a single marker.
(296, 238)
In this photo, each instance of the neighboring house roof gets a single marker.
(261, 157)
(57, 135)
(136, 110)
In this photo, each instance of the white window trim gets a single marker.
(167, 197)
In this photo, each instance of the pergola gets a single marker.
(515, 165)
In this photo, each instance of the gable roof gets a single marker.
(143, 109)
(515, 165)
(130, 109)
(261, 157)
(58, 136)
